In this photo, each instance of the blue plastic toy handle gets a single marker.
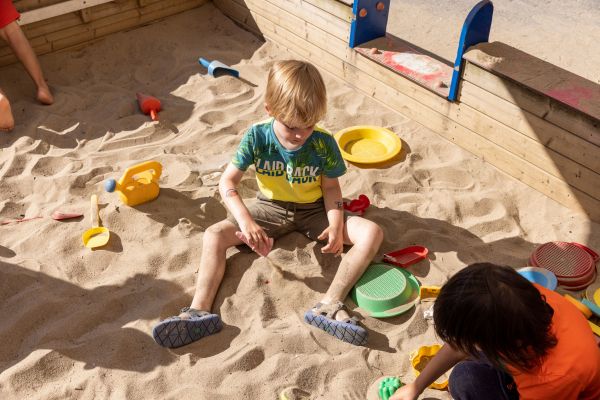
(204, 62)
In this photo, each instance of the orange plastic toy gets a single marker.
(149, 105)
(138, 184)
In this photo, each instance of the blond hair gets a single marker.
(296, 94)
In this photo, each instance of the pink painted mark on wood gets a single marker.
(414, 64)
(418, 67)
(572, 96)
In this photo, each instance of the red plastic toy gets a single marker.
(407, 256)
(358, 205)
(59, 216)
(573, 263)
(149, 105)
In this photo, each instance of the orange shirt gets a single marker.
(571, 370)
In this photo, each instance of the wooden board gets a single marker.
(71, 30)
(406, 60)
(539, 105)
(342, 10)
(238, 13)
(538, 75)
(530, 125)
(57, 9)
(304, 11)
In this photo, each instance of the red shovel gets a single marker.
(59, 216)
(407, 256)
(149, 105)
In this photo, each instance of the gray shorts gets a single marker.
(280, 217)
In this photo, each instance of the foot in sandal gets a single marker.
(189, 326)
(323, 316)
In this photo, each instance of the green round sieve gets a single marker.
(386, 291)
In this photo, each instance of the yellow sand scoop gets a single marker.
(96, 236)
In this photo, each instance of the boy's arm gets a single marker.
(228, 189)
(445, 359)
(332, 196)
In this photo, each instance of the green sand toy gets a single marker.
(386, 291)
(388, 386)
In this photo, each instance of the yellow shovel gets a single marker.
(96, 236)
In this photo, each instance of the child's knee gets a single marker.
(216, 233)
(371, 234)
(214, 230)
(375, 233)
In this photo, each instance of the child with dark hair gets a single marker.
(508, 339)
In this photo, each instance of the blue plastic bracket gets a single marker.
(476, 29)
(369, 21)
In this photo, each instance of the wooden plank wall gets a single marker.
(78, 28)
(549, 147)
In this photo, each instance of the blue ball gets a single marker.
(110, 185)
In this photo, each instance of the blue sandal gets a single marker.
(322, 316)
(176, 332)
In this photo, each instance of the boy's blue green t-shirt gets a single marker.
(289, 175)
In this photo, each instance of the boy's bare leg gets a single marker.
(7, 122)
(366, 237)
(19, 44)
(217, 239)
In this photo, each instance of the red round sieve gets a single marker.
(579, 285)
(573, 265)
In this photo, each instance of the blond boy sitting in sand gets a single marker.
(297, 170)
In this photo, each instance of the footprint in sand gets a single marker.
(54, 366)
(212, 117)
(50, 166)
(233, 98)
(174, 173)
(268, 311)
(448, 178)
(15, 166)
(294, 393)
(248, 361)
(185, 227)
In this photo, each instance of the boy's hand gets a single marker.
(335, 241)
(261, 250)
(256, 236)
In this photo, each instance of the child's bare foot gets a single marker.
(7, 122)
(44, 95)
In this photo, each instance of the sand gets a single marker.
(77, 323)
